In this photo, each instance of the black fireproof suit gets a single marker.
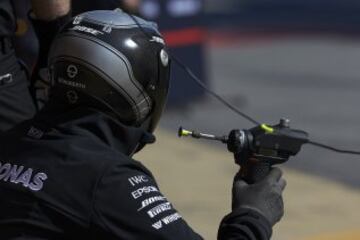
(16, 103)
(68, 175)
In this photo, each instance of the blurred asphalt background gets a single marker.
(311, 79)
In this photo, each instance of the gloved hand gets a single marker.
(40, 86)
(265, 196)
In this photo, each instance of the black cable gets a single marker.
(199, 82)
(229, 105)
(321, 145)
(212, 93)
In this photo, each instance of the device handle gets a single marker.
(255, 170)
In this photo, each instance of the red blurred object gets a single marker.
(182, 37)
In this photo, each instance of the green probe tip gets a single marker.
(183, 133)
(186, 133)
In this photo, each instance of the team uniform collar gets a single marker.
(93, 124)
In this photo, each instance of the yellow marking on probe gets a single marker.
(185, 132)
(267, 129)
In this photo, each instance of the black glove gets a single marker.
(264, 197)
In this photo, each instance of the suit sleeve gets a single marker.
(129, 205)
(244, 224)
(46, 32)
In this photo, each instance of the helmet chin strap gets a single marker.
(147, 138)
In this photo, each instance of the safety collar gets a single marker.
(91, 123)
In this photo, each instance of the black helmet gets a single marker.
(114, 62)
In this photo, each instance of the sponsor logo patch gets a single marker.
(150, 201)
(166, 220)
(71, 83)
(87, 30)
(144, 190)
(159, 209)
(20, 175)
(135, 180)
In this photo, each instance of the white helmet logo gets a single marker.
(164, 57)
(72, 71)
(72, 97)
